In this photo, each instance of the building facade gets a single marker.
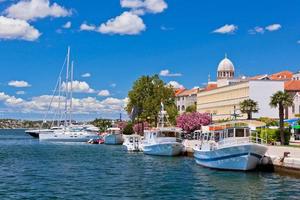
(223, 102)
(185, 99)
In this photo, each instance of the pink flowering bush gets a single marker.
(122, 125)
(138, 128)
(190, 122)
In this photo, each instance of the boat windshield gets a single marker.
(167, 134)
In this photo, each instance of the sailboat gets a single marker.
(68, 131)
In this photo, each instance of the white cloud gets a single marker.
(19, 84)
(78, 87)
(17, 29)
(298, 41)
(175, 84)
(34, 9)
(86, 75)
(167, 72)
(87, 27)
(10, 100)
(104, 93)
(40, 104)
(139, 7)
(20, 92)
(273, 27)
(125, 24)
(226, 29)
(256, 30)
(67, 25)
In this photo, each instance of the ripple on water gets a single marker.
(30, 169)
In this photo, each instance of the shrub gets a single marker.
(190, 122)
(273, 135)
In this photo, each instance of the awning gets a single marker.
(296, 127)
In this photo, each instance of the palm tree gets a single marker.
(281, 100)
(249, 106)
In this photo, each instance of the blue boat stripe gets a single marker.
(227, 157)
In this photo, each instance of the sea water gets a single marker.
(30, 169)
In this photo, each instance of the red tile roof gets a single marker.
(188, 92)
(284, 75)
(178, 91)
(293, 85)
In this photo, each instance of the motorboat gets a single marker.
(163, 141)
(132, 142)
(231, 148)
(113, 136)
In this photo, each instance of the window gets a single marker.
(178, 108)
(293, 109)
(239, 132)
(182, 108)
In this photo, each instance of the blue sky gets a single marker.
(188, 38)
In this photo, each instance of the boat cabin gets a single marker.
(163, 135)
(113, 131)
(218, 135)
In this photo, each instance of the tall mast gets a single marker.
(67, 88)
(71, 93)
(59, 98)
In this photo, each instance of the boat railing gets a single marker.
(240, 140)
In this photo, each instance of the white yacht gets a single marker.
(36, 132)
(229, 149)
(132, 142)
(73, 133)
(113, 136)
(162, 141)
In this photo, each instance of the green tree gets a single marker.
(102, 124)
(128, 130)
(281, 100)
(191, 108)
(249, 106)
(146, 96)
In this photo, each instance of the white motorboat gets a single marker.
(162, 141)
(132, 142)
(113, 136)
(229, 149)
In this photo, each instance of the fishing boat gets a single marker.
(230, 148)
(113, 136)
(132, 142)
(162, 141)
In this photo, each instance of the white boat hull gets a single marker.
(240, 157)
(113, 139)
(163, 149)
(67, 137)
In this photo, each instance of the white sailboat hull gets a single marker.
(239, 157)
(67, 137)
(113, 139)
(163, 149)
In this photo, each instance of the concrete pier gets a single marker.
(282, 159)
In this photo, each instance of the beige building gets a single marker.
(223, 101)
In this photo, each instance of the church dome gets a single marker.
(226, 66)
